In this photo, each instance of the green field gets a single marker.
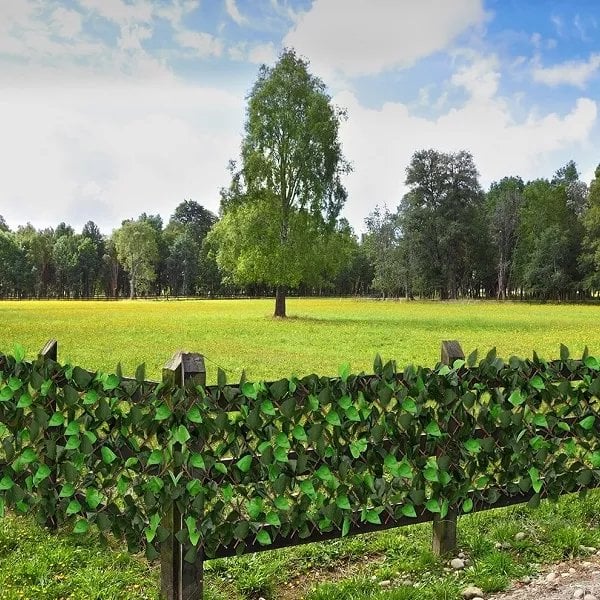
(320, 334)
(318, 337)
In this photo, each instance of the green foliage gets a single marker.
(251, 464)
(281, 208)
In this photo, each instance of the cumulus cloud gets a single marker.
(76, 154)
(203, 43)
(366, 37)
(572, 72)
(380, 142)
(234, 12)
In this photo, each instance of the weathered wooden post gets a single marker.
(444, 530)
(50, 351)
(181, 580)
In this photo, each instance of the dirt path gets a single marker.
(564, 581)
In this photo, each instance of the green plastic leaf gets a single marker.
(181, 435)
(408, 510)
(430, 474)
(344, 372)
(194, 415)
(268, 408)
(162, 412)
(18, 353)
(433, 429)
(263, 538)
(193, 532)
(307, 487)
(343, 502)
(433, 506)
(409, 405)
(41, 474)
(14, 383)
(93, 497)
(56, 419)
(197, 461)
(81, 526)
(155, 458)
(6, 483)
(25, 401)
(72, 428)
(333, 418)
(467, 505)
(282, 503)
(249, 391)
(244, 463)
(473, 445)
(324, 473)
(538, 383)
(112, 382)
(346, 527)
(67, 490)
(272, 518)
(540, 420)
(588, 422)
(90, 397)
(516, 398)
(372, 516)
(73, 507)
(592, 363)
(108, 456)
(358, 447)
(299, 433)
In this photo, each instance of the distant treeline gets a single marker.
(446, 239)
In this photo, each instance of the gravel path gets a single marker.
(566, 581)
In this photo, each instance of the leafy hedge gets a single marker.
(252, 462)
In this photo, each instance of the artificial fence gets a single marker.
(190, 472)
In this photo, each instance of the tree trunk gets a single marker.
(280, 301)
(131, 288)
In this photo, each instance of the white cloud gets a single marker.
(257, 54)
(572, 72)
(77, 154)
(365, 37)
(66, 22)
(203, 43)
(262, 53)
(380, 142)
(234, 12)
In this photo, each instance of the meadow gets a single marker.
(319, 336)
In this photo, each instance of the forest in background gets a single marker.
(446, 239)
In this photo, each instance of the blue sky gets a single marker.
(113, 107)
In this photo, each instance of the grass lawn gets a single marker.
(319, 336)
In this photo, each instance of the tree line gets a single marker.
(280, 228)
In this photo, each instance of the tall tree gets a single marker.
(289, 182)
(194, 218)
(441, 218)
(590, 258)
(504, 201)
(383, 243)
(137, 250)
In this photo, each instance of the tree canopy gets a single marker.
(283, 202)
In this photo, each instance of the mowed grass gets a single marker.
(318, 336)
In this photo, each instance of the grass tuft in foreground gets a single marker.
(393, 565)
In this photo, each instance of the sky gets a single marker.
(110, 108)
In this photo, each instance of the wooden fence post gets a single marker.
(50, 351)
(444, 530)
(181, 580)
